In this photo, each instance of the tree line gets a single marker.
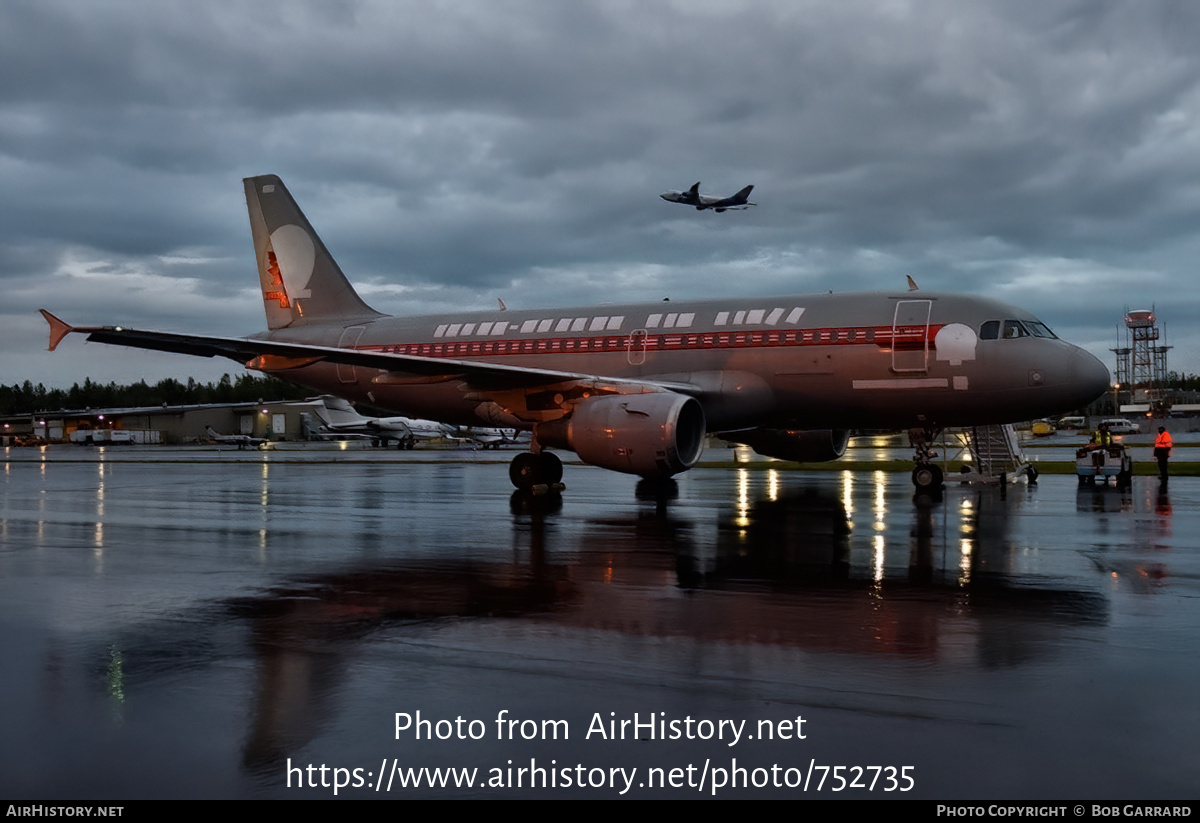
(27, 398)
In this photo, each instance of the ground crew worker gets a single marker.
(1162, 450)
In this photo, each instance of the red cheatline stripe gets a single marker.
(906, 337)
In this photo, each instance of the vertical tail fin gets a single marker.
(300, 281)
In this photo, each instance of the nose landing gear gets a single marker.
(927, 478)
(927, 475)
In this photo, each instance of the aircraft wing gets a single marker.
(274, 355)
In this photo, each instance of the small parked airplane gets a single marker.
(339, 417)
(635, 388)
(693, 197)
(242, 441)
(484, 437)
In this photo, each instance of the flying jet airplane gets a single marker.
(339, 417)
(693, 197)
(635, 388)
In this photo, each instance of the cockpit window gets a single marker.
(1038, 329)
(1014, 329)
(991, 329)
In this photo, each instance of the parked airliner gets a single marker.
(635, 388)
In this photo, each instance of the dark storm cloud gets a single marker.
(450, 153)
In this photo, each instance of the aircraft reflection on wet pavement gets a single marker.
(298, 621)
(788, 552)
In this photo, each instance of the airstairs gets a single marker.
(995, 454)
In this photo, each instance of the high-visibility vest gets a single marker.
(1163, 441)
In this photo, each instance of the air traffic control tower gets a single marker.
(1141, 364)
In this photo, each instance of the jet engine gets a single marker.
(816, 446)
(651, 435)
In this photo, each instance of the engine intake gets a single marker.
(651, 435)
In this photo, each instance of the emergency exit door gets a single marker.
(349, 339)
(910, 336)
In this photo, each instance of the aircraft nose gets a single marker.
(1089, 375)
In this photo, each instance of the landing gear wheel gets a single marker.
(528, 470)
(927, 478)
(523, 470)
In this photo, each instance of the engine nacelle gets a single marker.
(816, 446)
(651, 435)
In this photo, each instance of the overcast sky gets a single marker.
(1045, 153)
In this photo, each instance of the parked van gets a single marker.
(1119, 425)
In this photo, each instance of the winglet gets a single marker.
(58, 329)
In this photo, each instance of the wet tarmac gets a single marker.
(215, 626)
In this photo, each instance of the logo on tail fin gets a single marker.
(290, 264)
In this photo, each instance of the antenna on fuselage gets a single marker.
(912, 284)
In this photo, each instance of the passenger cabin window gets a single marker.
(989, 330)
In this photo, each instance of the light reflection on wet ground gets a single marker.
(182, 630)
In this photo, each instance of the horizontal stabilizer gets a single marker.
(58, 329)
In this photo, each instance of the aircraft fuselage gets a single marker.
(813, 362)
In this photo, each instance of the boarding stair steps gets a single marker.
(995, 454)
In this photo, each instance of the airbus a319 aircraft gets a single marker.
(693, 197)
(635, 388)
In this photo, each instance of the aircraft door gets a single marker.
(348, 340)
(635, 347)
(910, 336)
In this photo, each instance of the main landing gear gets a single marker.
(541, 469)
(927, 475)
